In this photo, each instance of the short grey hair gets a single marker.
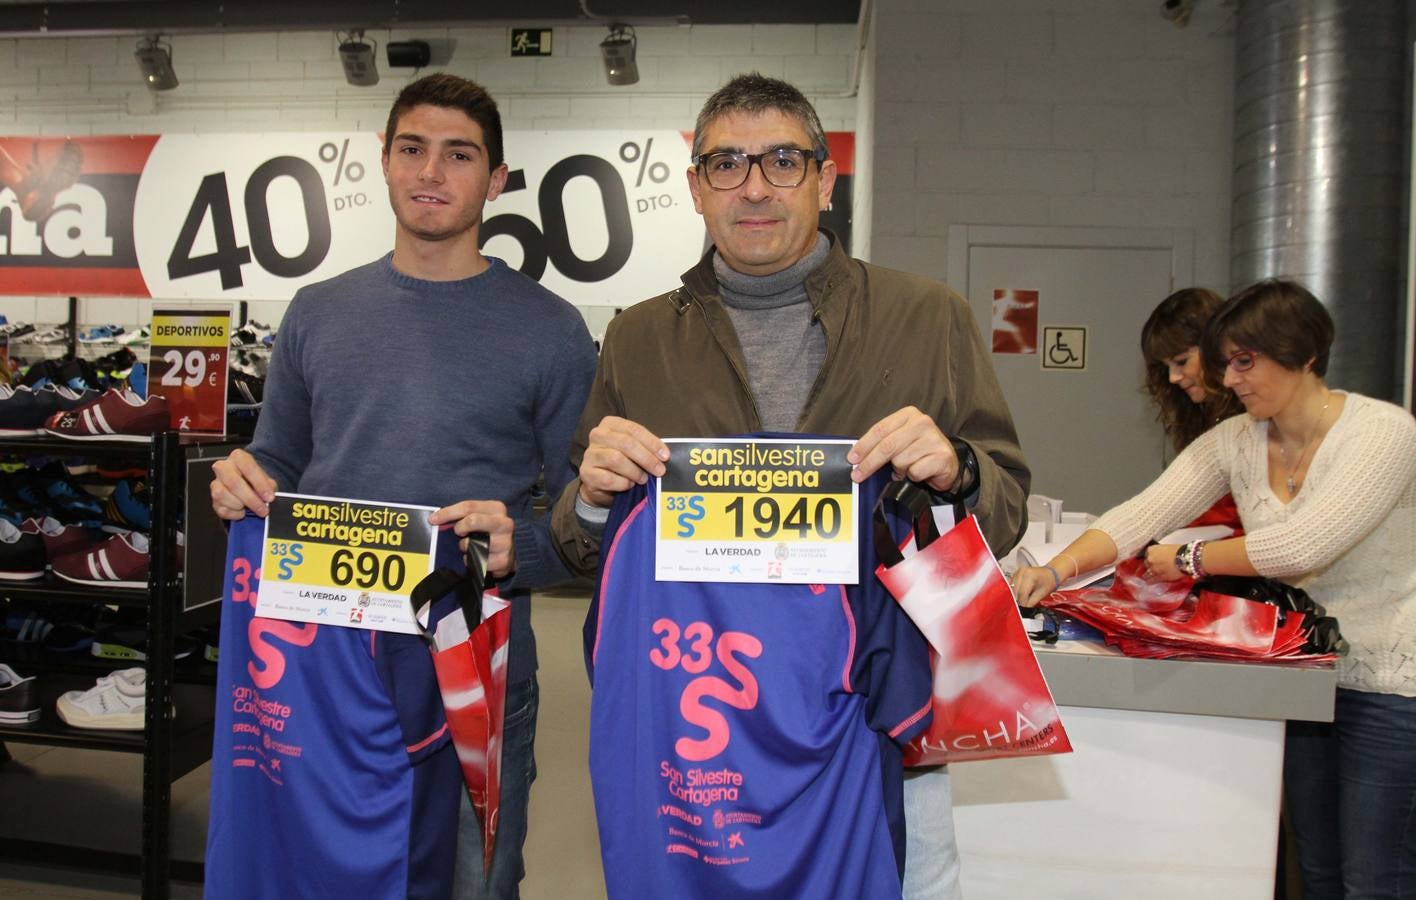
(756, 93)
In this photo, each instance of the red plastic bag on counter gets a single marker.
(990, 697)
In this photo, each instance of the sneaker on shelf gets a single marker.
(117, 468)
(129, 507)
(114, 366)
(19, 698)
(117, 415)
(21, 554)
(253, 363)
(20, 413)
(252, 334)
(80, 465)
(78, 374)
(25, 623)
(130, 642)
(210, 639)
(24, 412)
(40, 373)
(138, 379)
(121, 561)
(100, 334)
(136, 337)
(246, 389)
(59, 539)
(57, 497)
(117, 702)
(58, 335)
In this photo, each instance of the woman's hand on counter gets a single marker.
(1032, 583)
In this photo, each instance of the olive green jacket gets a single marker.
(673, 364)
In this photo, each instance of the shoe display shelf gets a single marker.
(181, 596)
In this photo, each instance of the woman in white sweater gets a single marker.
(1325, 484)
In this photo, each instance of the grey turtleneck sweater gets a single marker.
(782, 344)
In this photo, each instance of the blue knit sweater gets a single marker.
(392, 388)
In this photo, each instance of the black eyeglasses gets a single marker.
(784, 167)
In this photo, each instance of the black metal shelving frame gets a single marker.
(170, 746)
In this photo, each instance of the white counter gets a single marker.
(1172, 790)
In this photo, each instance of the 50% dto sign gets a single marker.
(550, 241)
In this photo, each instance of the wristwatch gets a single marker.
(967, 480)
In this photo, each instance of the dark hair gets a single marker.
(1175, 326)
(756, 93)
(451, 92)
(1279, 318)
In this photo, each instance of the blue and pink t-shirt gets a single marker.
(745, 738)
(332, 771)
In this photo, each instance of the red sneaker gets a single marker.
(118, 415)
(120, 561)
(59, 539)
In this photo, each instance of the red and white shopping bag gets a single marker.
(990, 697)
(469, 647)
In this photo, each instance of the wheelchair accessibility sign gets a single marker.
(1063, 347)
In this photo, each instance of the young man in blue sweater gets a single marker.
(441, 377)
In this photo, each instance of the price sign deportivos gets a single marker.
(187, 365)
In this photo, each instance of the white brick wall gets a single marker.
(1048, 112)
(292, 81)
(1018, 112)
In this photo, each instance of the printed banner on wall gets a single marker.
(1014, 321)
(599, 217)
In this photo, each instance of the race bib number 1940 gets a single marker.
(757, 510)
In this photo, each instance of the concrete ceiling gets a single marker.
(25, 17)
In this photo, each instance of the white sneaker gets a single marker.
(117, 702)
(19, 700)
(132, 338)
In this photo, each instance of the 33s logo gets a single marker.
(697, 654)
(245, 583)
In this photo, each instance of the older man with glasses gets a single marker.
(777, 329)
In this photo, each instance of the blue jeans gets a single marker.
(517, 772)
(1351, 791)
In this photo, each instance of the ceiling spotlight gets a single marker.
(409, 54)
(357, 57)
(155, 60)
(617, 51)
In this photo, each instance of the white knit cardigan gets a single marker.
(1348, 537)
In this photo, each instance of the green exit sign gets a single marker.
(530, 42)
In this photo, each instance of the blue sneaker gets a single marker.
(100, 334)
(60, 499)
(26, 409)
(128, 507)
(138, 379)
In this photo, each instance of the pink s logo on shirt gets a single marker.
(701, 650)
(247, 583)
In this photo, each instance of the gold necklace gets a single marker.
(1291, 482)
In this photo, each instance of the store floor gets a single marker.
(94, 799)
